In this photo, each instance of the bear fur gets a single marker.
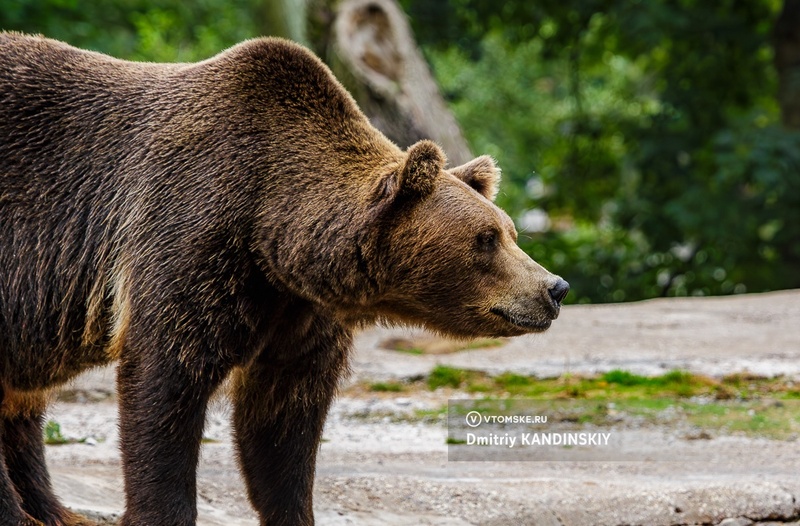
(237, 218)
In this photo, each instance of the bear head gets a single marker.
(450, 257)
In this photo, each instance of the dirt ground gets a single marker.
(379, 464)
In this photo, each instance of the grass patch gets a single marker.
(772, 419)
(735, 404)
(619, 384)
(411, 350)
(387, 387)
(514, 381)
(429, 415)
(444, 376)
(677, 383)
(54, 437)
(625, 378)
(749, 405)
(613, 385)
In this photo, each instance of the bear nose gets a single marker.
(559, 291)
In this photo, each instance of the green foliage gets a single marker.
(648, 131)
(53, 435)
(151, 30)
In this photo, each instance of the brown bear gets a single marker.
(235, 218)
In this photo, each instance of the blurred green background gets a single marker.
(642, 143)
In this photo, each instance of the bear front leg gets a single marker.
(279, 413)
(11, 513)
(162, 414)
(23, 444)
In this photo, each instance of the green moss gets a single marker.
(613, 385)
(387, 387)
(444, 376)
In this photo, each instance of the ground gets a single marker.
(384, 459)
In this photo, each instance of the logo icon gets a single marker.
(474, 419)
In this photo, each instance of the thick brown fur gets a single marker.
(237, 217)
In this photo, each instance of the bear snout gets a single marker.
(536, 312)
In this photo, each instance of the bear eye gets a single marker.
(487, 240)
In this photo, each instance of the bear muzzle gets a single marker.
(534, 313)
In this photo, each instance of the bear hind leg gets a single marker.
(22, 421)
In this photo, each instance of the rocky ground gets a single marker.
(381, 463)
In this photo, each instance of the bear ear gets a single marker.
(482, 174)
(414, 177)
(424, 162)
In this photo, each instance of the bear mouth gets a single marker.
(522, 321)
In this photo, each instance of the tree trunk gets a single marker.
(369, 46)
(786, 40)
(284, 18)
